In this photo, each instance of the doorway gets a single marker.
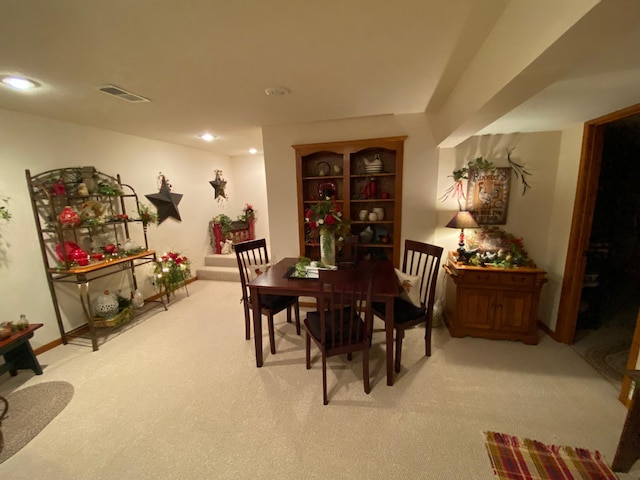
(604, 229)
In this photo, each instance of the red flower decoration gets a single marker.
(330, 220)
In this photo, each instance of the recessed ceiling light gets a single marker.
(277, 91)
(253, 151)
(19, 83)
(207, 137)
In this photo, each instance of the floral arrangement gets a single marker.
(171, 271)
(247, 213)
(492, 246)
(147, 215)
(326, 215)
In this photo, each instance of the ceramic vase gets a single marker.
(137, 299)
(23, 322)
(363, 215)
(379, 211)
(106, 305)
(130, 246)
(327, 247)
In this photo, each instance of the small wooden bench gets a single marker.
(17, 352)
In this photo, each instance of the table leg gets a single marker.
(388, 322)
(257, 324)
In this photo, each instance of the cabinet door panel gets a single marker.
(476, 308)
(513, 311)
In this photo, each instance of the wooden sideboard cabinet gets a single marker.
(493, 303)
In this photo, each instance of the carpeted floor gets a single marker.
(179, 397)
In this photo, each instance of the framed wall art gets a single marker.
(488, 195)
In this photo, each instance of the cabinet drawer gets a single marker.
(516, 279)
(482, 278)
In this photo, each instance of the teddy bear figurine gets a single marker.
(226, 247)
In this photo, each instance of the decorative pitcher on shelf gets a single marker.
(373, 165)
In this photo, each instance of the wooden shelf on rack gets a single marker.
(102, 264)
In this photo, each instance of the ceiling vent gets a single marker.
(122, 94)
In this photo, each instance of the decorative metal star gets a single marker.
(219, 185)
(166, 202)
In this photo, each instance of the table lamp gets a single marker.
(462, 220)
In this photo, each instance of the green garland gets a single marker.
(482, 163)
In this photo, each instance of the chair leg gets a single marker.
(272, 335)
(296, 307)
(399, 337)
(308, 351)
(350, 356)
(365, 371)
(325, 398)
(427, 339)
(289, 314)
(247, 320)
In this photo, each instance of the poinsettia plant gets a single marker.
(326, 215)
(171, 270)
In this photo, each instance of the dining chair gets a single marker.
(417, 281)
(342, 323)
(253, 260)
(348, 254)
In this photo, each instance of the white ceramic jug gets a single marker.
(380, 212)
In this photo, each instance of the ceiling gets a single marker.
(474, 67)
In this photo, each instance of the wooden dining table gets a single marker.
(277, 281)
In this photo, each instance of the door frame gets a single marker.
(581, 224)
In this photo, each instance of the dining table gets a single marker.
(278, 280)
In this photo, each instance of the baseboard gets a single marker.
(545, 328)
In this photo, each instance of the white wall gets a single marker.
(420, 172)
(560, 221)
(250, 187)
(39, 144)
(542, 216)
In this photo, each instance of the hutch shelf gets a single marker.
(364, 177)
(108, 240)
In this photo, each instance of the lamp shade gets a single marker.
(463, 219)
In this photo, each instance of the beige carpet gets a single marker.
(179, 397)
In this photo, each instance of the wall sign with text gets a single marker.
(488, 195)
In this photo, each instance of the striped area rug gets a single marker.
(516, 458)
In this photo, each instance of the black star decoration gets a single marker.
(166, 202)
(219, 185)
